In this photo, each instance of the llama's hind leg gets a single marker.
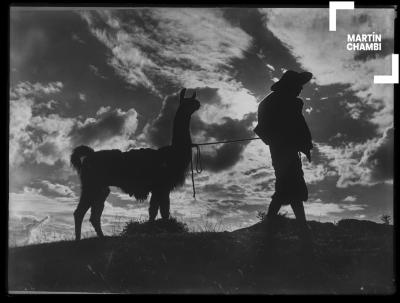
(97, 210)
(164, 205)
(79, 213)
(154, 205)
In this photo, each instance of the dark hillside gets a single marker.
(352, 257)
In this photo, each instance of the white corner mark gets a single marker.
(394, 77)
(335, 5)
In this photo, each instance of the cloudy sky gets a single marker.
(109, 78)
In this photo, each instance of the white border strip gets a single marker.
(335, 5)
(394, 77)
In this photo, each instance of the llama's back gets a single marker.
(141, 171)
(137, 171)
(101, 167)
(154, 169)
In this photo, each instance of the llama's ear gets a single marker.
(194, 95)
(182, 95)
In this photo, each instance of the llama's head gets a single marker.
(188, 105)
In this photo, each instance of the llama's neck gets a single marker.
(181, 131)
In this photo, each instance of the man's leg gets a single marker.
(305, 233)
(274, 207)
(299, 212)
(272, 215)
(280, 167)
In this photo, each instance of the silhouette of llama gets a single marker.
(137, 171)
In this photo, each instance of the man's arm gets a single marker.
(305, 134)
(262, 125)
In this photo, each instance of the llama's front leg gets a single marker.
(165, 205)
(154, 206)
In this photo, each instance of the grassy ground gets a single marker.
(350, 258)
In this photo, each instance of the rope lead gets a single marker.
(199, 167)
(191, 167)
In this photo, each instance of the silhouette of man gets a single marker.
(282, 126)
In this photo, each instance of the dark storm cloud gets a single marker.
(108, 125)
(318, 157)
(334, 119)
(159, 131)
(225, 157)
(231, 128)
(230, 153)
(266, 48)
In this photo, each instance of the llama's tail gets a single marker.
(77, 154)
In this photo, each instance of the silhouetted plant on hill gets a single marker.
(262, 215)
(386, 219)
(281, 220)
(209, 226)
(171, 225)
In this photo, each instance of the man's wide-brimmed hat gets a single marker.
(292, 79)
